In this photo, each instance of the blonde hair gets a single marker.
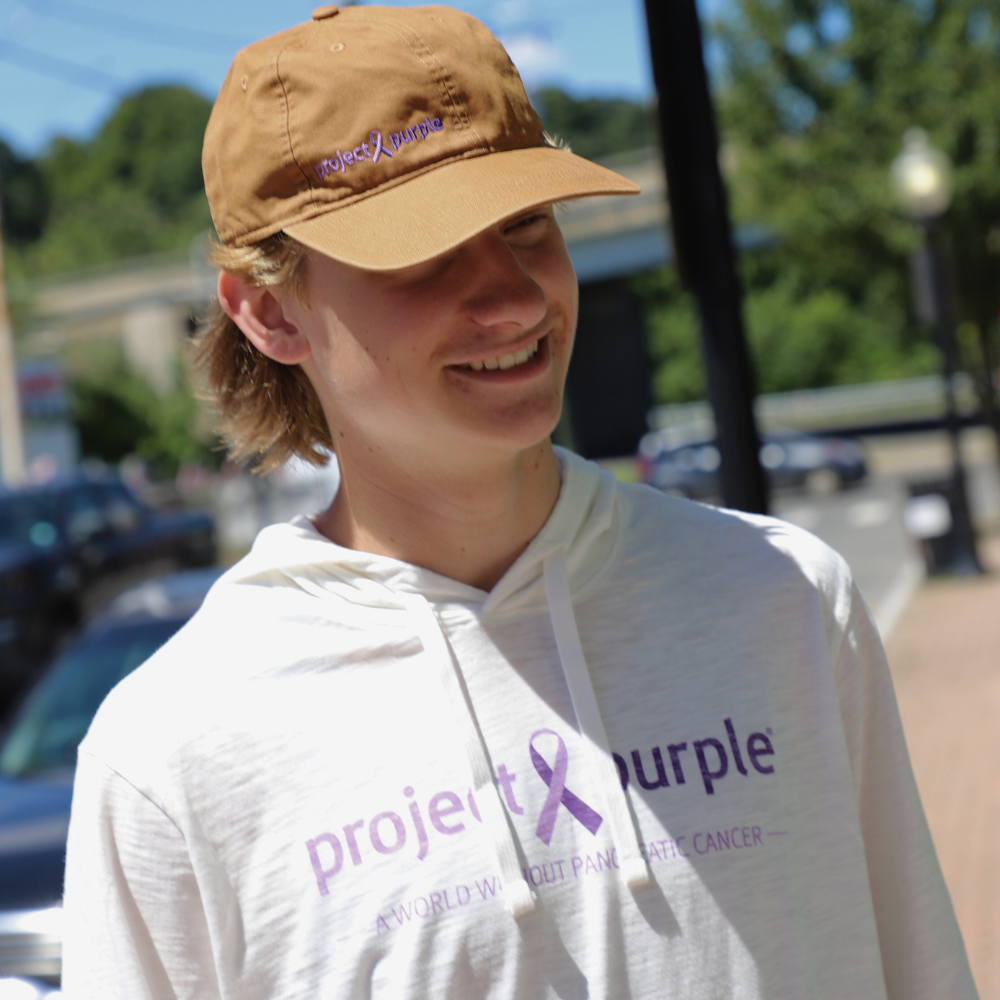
(268, 411)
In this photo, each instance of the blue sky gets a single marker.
(65, 63)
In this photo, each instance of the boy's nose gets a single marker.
(502, 292)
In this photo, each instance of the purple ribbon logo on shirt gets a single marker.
(558, 792)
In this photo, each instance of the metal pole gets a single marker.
(11, 440)
(964, 558)
(699, 218)
(989, 389)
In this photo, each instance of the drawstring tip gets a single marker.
(518, 898)
(635, 871)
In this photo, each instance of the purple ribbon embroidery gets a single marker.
(558, 792)
(340, 161)
(376, 140)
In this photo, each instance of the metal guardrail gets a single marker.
(915, 403)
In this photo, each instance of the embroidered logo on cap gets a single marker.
(375, 147)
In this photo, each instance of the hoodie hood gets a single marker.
(561, 564)
(585, 522)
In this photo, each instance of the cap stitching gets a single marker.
(444, 81)
(324, 208)
(288, 127)
(442, 78)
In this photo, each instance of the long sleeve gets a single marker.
(922, 951)
(135, 926)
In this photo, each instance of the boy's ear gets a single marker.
(261, 317)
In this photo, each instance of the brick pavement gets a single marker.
(945, 659)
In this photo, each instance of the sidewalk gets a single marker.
(945, 659)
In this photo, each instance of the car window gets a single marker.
(28, 518)
(57, 714)
(84, 517)
(121, 508)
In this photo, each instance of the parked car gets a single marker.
(790, 460)
(38, 758)
(68, 546)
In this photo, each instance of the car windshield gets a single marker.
(57, 714)
(21, 516)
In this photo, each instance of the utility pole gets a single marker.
(11, 439)
(699, 219)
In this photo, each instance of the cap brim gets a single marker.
(434, 212)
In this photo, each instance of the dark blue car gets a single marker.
(38, 757)
(67, 546)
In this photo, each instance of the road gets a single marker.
(865, 524)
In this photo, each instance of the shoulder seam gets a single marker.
(156, 805)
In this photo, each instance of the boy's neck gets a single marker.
(469, 527)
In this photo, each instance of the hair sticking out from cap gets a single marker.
(267, 411)
(556, 142)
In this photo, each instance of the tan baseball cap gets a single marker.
(382, 137)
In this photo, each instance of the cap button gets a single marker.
(327, 10)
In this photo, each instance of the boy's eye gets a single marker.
(526, 222)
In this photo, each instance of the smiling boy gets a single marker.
(440, 382)
(492, 724)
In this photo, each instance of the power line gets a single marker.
(59, 69)
(134, 28)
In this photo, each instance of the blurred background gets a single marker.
(858, 147)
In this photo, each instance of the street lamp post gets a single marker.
(921, 176)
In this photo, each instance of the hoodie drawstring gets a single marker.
(634, 868)
(517, 894)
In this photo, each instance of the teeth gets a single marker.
(505, 361)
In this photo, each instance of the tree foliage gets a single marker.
(134, 188)
(24, 198)
(117, 413)
(815, 99)
(799, 341)
(595, 127)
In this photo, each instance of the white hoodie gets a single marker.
(349, 777)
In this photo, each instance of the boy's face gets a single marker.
(420, 359)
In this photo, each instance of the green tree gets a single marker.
(24, 198)
(814, 101)
(117, 413)
(134, 188)
(595, 126)
(799, 341)
(672, 338)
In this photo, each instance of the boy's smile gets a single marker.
(514, 358)
(467, 350)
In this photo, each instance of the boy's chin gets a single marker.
(519, 437)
